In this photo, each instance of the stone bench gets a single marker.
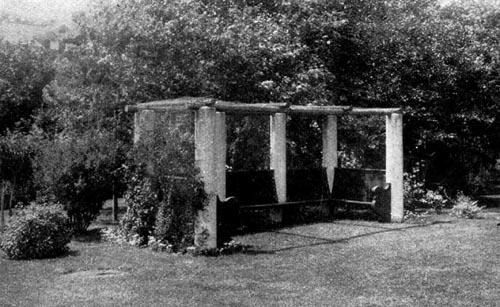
(365, 188)
(255, 190)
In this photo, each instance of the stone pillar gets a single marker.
(278, 160)
(330, 144)
(205, 156)
(220, 154)
(137, 127)
(144, 123)
(394, 163)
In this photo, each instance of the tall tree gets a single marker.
(24, 71)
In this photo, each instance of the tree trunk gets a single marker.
(115, 204)
(2, 206)
(12, 192)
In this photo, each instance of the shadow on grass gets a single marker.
(70, 253)
(253, 224)
(92, 235)
(326, 241)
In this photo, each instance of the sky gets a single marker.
(61, 10)
(43, 10)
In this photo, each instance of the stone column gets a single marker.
(330, 144)
(144, 123)
(137, 127)
(394, 163)
(220, 154)
(205, 156)
(278, 160)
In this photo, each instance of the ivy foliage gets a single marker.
(165, 192)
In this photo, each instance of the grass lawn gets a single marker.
(442, 262)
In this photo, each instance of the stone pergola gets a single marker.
(210, 146)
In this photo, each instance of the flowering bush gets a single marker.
(114, 235)
(159, 246)
(142, 204)
(434, 200)
(465, 207)
(417, 197)
(227, 248)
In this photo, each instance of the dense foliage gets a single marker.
(39, 231)
(165, 192)
(17, 152)
(437, 62)
(24, 71)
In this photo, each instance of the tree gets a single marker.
(439, 63)
(25, 70)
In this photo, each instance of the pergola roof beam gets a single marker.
(188, 103)
(177, 104)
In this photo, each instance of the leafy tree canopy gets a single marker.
(440, 63)
(24, 72)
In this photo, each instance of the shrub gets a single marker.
(77, 171)
(37, 232)
(465, 207)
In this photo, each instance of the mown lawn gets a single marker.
(443, 262)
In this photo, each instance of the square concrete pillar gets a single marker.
(220, 154)
(394, 164)
(330, 148)
(206, 142)
(278, 160)
(278, 153)
(144, 124)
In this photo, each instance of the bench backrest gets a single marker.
(307, 184)
(258, 187)
(251, 187)
(356, 184)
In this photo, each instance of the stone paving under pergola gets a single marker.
(210, 146)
